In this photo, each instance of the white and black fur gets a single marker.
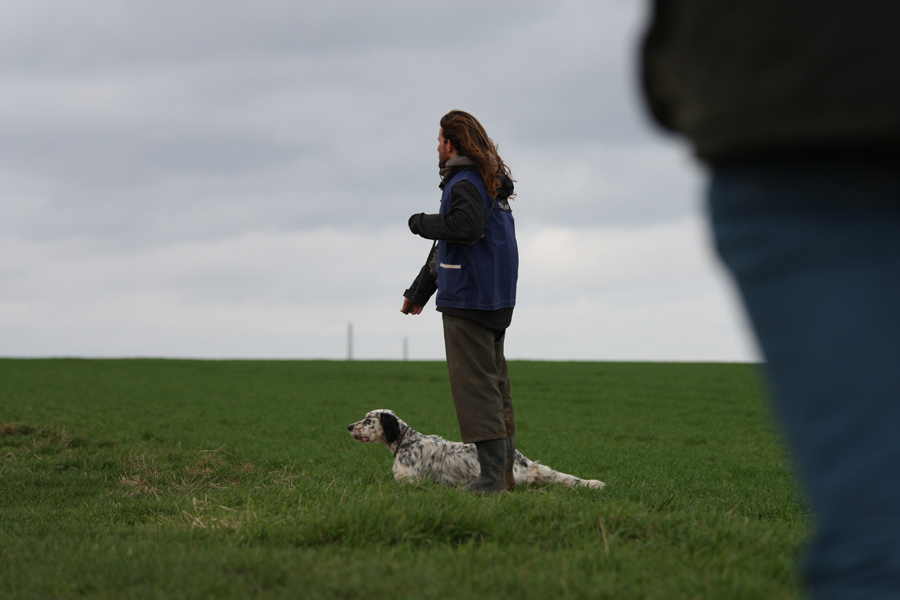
(419, 456)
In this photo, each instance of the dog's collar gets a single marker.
(400, 440)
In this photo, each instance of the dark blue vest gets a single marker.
(481, 275)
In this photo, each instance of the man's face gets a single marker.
(445, 149)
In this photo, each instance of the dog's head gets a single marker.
(380, 425)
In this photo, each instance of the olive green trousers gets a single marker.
(479, 381)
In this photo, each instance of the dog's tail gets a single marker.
(538, 473)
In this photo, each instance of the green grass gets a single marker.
(238, 479)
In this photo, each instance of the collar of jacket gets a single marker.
(449, 168)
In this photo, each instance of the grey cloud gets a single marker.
(95, 159)
(60, 36)
(141, 121)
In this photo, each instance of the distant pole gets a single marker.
(349, 341)
(405, 349)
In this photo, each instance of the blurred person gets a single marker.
(795, 108)
(473, 266)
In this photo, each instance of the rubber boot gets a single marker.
(492, 459)
(510, 461)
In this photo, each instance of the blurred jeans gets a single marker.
(814, 246)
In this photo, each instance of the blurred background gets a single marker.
(233, 180)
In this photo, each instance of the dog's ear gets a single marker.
(391, 427)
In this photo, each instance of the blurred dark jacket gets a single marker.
(742, 78)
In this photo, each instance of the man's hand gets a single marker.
(411, 309)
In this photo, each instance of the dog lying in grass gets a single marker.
(420, 456)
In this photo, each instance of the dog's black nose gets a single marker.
(349, 427)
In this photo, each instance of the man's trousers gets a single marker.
(479, 381)
(814, 245)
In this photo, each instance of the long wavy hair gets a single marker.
(470, 139)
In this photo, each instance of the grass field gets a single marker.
(238, 479)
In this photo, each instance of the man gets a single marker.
(473, 266)
(795, 105)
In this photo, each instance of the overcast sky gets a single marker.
(233, 180)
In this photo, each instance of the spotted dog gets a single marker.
(420, 456)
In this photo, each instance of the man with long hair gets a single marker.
(473, 266)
